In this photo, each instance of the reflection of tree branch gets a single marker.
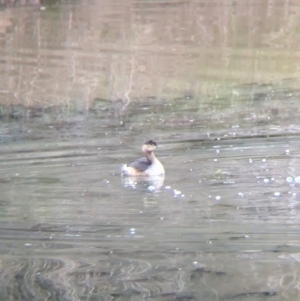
(286, 32)
(133, 69)
(127, 92)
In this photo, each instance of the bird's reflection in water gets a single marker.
(145, 183)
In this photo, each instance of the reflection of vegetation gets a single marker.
(260, 99)
(245, 111)
(88, 50)
(123, 68)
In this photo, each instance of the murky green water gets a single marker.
(83, 85)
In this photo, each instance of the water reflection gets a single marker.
(124, 50)
(144, 183)
(81, 82)
(226, 213)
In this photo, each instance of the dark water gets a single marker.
(83, 85)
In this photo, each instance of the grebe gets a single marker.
(149, 166)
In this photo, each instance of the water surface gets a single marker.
(83, 85)
(222, 225)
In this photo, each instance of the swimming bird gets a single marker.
(148, 166)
